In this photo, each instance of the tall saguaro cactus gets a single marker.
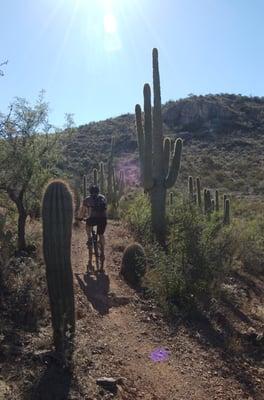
(157, 174)
(102, 178)
(57, 214)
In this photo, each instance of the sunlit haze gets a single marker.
(93, 56)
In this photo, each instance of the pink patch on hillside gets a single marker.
(131, 171)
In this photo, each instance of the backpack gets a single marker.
(99, 203)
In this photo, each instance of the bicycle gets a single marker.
(95, 251)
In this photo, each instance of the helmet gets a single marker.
(94, 189)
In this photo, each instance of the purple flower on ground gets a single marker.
(160, 354)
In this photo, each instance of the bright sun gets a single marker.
(110, 24)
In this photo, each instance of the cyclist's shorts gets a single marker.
(99, 222)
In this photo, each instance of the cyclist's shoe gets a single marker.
(102, 258)
(89, 267)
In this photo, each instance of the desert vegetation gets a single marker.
(192, 208)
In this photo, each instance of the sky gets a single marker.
(92, 57)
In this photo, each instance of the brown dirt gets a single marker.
(116, 332)
(127, 329)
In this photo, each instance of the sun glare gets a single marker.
(110, 24)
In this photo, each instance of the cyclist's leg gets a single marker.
(101, 230)
(89, 242)
(102, 245)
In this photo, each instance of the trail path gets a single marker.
(117, 331)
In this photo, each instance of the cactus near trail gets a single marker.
(133, 264)
(157, 172)
(57, 214)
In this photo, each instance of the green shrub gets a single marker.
(251, 245)
(199, 254)
(138, 217)
(23, 287)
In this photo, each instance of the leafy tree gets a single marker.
(1, 65)
(28, 155)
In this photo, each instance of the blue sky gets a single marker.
(93, 56)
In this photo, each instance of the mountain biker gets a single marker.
(94, 210)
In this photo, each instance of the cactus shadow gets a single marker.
(96, 289)
(54, 383)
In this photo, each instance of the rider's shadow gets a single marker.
(96, 289)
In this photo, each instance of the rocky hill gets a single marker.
(223, 141)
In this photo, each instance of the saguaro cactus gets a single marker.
(57, 214)
(102, 178)
(216, 200)
(157, 175)
(84, 186)
(207, 202)
(95, 177)
(190, 188)
(199, 197)
(227, 212)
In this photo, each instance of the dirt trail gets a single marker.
(117, 331)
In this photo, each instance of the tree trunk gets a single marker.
(21, 241)
(22, 216)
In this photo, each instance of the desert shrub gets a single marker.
(24, 292)
(251, 244)
(138, 217)
(7, 238)
(199, 255)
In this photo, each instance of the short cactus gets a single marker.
(133, 265)
(227, 212)
(171, 199)
(199, 197)
(57, 214)
(190, 188)
(216, 201)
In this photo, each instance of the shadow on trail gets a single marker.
(54, 384)
(205, 333)
(96, 289)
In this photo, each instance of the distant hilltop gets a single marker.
(220, 113)
(223, 141)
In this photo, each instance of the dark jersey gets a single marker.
(97, 204)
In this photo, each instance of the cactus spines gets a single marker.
(227, 212)
(95, 177)
(84, 186)
(199, 197)
(216, 201)
(157, 174)
(190, 188)
(57, 214)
